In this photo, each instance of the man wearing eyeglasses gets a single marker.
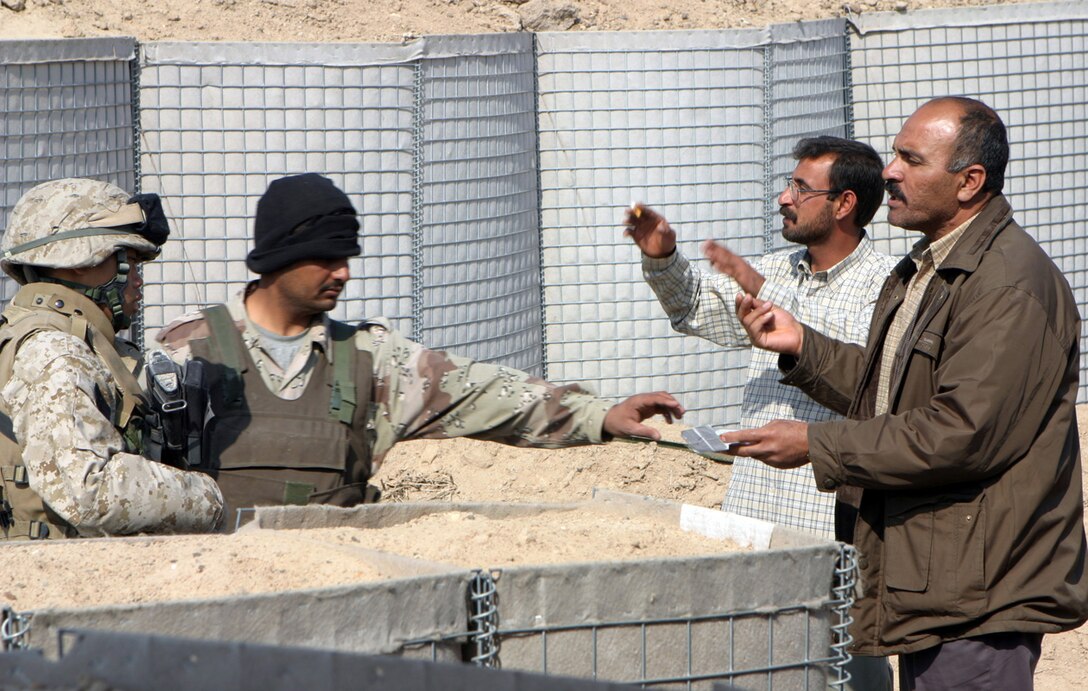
(958, 470)
(830, 282)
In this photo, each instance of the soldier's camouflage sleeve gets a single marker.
(73, 453)
(429, 394)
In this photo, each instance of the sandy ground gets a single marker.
(468, 470)
(86, 573)
(399, 20)
(149, 569)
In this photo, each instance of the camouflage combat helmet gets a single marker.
(75, 223)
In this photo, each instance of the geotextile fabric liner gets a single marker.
(620, 621)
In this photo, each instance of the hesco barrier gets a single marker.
(111, 660)
(770, 617)
(491, 172)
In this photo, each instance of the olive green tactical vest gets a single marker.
(47, 306)
(263, 450)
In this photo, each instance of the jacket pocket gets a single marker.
(908, 543)
(935, 554)
(929, 344)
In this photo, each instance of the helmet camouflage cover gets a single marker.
(88, 220)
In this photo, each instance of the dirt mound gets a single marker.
(399, 20)
(468, 470)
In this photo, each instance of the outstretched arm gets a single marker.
(429, 394)
(625, 418)
(697, 303)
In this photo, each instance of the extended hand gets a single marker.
(625, 418)
(780, 444)
(769, 327)
(650, 231)
(730, 264)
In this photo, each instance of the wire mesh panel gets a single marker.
(678, 127)
(805, 98)
(219, 122)
(693, 129)
(65, 111)
(480, 246)
(1030, 63)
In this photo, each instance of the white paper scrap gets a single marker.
(724, 525)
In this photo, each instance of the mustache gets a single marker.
(788, 213)
(334, 285)
(893, 189)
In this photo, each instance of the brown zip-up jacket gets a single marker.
(969, 517)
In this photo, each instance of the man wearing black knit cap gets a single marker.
(302, 408)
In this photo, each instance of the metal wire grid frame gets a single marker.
(14, 627)
(1030, 63)
(660, 652)
(63, 112)
(480, 250)
(701, 129)
(217, 128)
(703, 125)
(674, 652)
(804, 98)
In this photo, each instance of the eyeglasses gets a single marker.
(796, 190)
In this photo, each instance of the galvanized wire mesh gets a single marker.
(479, 250)
(805, 98)
(218, 128)
(1028, 63)
(677, 127)
(701, 130)
(65, 111)
(440, 146)
(773, 646)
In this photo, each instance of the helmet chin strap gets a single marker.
(111, 295)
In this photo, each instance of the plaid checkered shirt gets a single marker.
(838, 302)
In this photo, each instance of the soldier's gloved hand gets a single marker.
(625, 418)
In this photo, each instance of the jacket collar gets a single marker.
(978, 236)
(968, 251)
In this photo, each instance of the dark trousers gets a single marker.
(999, 661)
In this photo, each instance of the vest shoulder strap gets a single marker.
(344, 400)
(19, 323)
(225, 347)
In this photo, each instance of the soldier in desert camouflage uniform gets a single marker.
(306, 407)
(70, 459)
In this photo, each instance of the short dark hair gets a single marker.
(982, 139)
(857, 167)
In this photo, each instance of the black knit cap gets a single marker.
(302, 217)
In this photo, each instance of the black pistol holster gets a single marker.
(176, 420)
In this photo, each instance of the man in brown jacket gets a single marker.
(958, 470)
